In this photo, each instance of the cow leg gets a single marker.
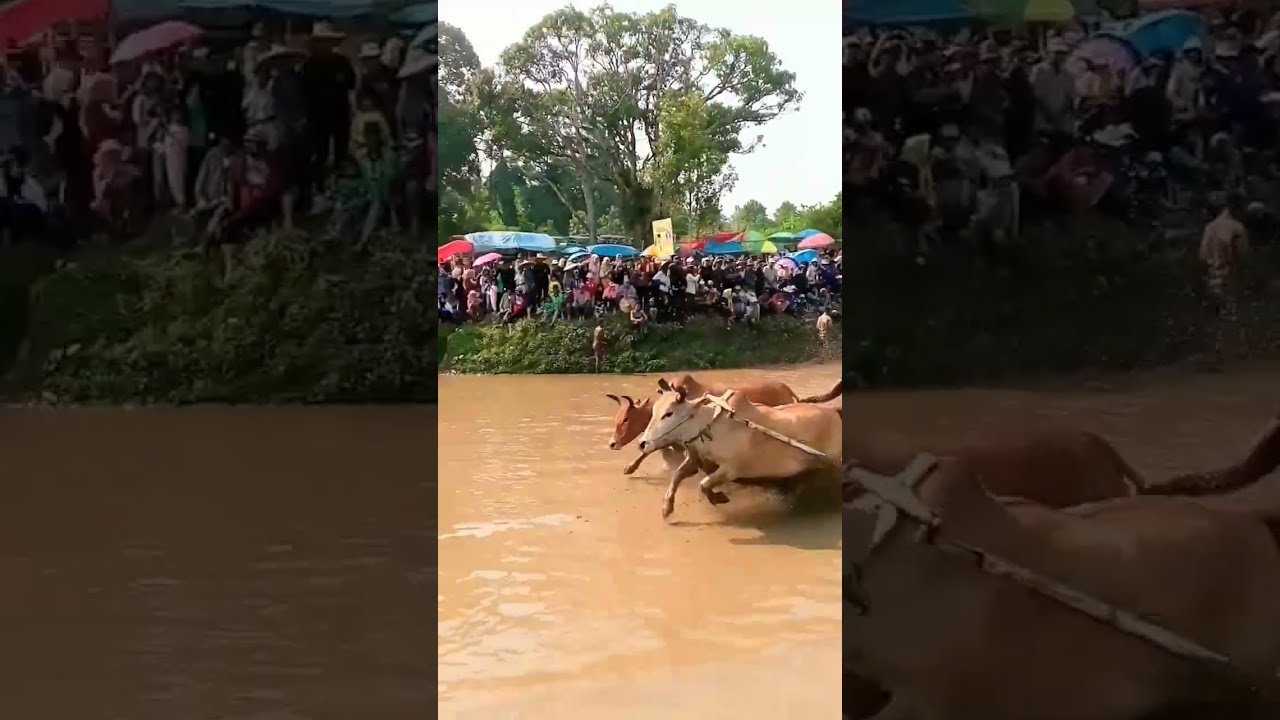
(635, 464)
(713, 481)
(688, 468)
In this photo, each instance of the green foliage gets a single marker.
(698, 344)
(1076, 296)
(650, 106)
(297, 321)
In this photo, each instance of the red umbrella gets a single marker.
(454, 247)
(24, 19)
(815, 242)
(154, 39)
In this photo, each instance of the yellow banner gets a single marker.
(664, 242)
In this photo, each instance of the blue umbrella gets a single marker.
(571, 249)
(804, 257)
(729, 248)
(416, 15)
(583, 255)
(806, 233)
(613, 251)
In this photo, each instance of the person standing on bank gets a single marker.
(1222, 247)
(328, 81)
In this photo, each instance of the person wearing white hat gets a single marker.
(416, 89)
(1054, 89)
(1186, 81)
(328, 82)
(378, 85)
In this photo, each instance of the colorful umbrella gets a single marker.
(821, 240)
(22, 20)
(613, 251)
(804, 257)
(486, 259)
(724, 248)
(782, 236)
(651, 251)
(454, 247)
(807, 232)
(154, 39)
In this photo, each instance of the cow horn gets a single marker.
(630, 402)
(664, 385)
(613, 398)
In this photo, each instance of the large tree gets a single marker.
(751, 215)
(596, 93)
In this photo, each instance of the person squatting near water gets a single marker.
(226, 139)
(643, 290)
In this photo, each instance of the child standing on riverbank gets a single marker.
(599, 346)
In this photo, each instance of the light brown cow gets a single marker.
(738, 452)
(632, 417)
(1059, 467)
(952, 642)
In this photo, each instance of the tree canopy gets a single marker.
(597, 122)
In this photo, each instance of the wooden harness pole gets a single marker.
(723, 406)
(993, 564)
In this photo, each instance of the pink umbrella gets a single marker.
(453, 247)
(154, 39)
(814, 242)
(486, 259)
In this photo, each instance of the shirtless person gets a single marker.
(824, 327)
(599, 346)
(1225, 241)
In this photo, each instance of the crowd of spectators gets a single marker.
(964, 134)
(644, 290)
(227, 138)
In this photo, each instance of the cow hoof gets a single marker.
(717, 498)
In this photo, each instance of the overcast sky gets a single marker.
(800, 158)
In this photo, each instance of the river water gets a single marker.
(239, 564)
(564, 594)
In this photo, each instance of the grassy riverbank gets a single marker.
(299, 320)
(1079, 295)
(698, 344)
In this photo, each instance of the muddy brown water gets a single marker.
(564, 594)
(238, 564)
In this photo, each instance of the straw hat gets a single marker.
(324, 30)
(417, 61)
(370, 51)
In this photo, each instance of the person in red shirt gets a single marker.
(257, 192)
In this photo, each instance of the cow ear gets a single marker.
(663, 385)
(613, 398)
(630, 403)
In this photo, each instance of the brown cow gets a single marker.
(1060, 467)
(952, 642)
(738, 452)
(632, 417)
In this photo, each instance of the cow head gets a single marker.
(630, 420)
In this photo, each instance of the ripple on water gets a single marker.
(493, 527)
